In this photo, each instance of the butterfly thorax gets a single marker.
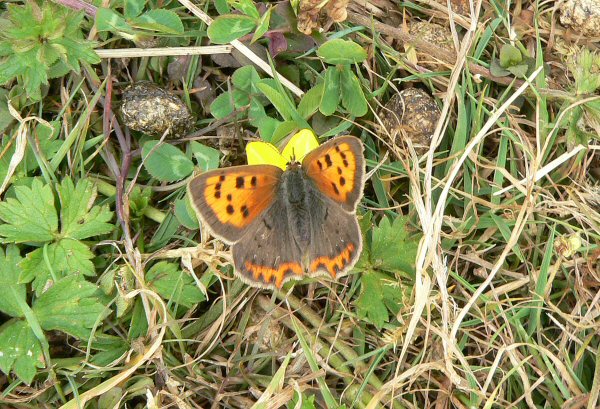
(294, 191)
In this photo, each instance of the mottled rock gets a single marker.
(583, 16)
(411, 114)
(150, 109)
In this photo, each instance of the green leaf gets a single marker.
(307, 402)
(222, 7)
(509, 56)
(226, 28)
(379, 295)
(161, 20)
(391, 248)
(519, 70)
(283, 129)
(63, 258)
(206, 157)
(245, 79)
(79, 218)
(71, 305)
(31, 216)
(133, 8)
(310, 102)
(277, 99)
(263, 25)
(185, 214)
(247, 7)
(173, 284)
(497, 70)
(109, 20)
(21, 350)
(331, 92)
(353, 98)
(5, 117)
(222, 106)
(12, 290)
(340, 51)
(165, 162)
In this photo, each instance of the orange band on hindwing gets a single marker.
(266, 274)
(333, 265)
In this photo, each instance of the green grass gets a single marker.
(474, 289)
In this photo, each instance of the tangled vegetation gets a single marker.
(478, 281)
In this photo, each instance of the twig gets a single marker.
(163, 51)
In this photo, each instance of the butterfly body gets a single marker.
(287, 224)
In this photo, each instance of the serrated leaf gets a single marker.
(228, 27)
(31, 216)
(353, 98)
(165, 162)
(379, 296)
(20, 350)
(332, 92)
(79, 218)
(391, 248)
(173, 284)
(65, 257)
(206, 157)
(161, 20)
(13, 293)
(71, 305)
(339, 51)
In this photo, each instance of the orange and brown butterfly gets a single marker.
(292, 218)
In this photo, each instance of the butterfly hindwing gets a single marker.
(337, 168)
(336, 239)
(229, 200)
(266, 255)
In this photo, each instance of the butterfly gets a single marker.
(287, 224)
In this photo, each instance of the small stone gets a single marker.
(411, 114)
(583, 16)
(150, 109)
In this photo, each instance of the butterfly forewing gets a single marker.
(228, 200)
(337, 168)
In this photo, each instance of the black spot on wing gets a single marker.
(335, 188)
(230, 209)
(239, 182)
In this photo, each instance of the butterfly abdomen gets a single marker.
(295, 196)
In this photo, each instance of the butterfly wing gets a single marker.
(336, 239)
(229, 200)
(267, 256)
(337, 168)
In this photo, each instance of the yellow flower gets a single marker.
(263, 153)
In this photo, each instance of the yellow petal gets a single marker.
(300, 144)
(262, 153)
